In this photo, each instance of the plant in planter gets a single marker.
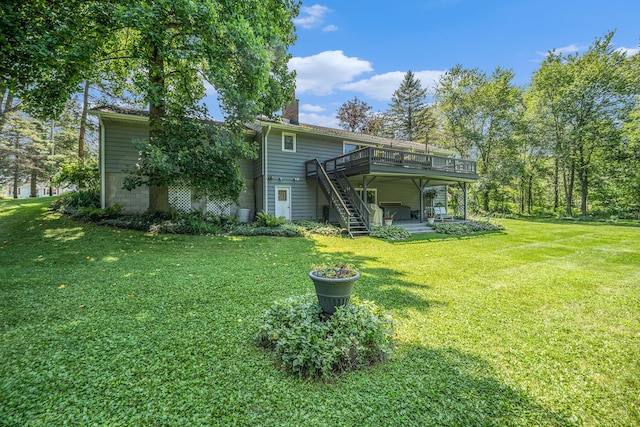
(388, 217)
(431, 219)
(334, 284)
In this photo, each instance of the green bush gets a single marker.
(75, 200)
(467, 227)
(284, 230)
(264, 219)
(310, 345)
(97, 214)
(392, 232)
(324, 229)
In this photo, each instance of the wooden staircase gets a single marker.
(353, 213)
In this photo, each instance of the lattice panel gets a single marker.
(219, 207)
(180, 199)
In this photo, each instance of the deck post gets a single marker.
(421, 195)
(464, 191)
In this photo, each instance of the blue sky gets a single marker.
(349, 48)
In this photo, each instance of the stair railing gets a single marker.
(314, 168)
(362, 210)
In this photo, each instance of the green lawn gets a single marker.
(536, 325)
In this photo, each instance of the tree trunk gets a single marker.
(530, 194)
(83, 123)
(569, 189)
(16, 168)
(556, 184)
(522, 193)
(34, 183)
(16, 177)
(158, 199)
(584, 190)
(158, 195)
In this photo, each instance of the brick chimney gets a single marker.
(291, 111)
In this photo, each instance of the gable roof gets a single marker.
(117, 112)
(364, 138)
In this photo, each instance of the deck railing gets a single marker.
(399, 158)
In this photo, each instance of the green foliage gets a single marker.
(357, 335)
(406, 108)
(97, 214)
(77, 199)
(284, 230)
(354, 115)
(264, 219)
(84, 175)
(170, 50)
(392, 232)
(334, 271)
(467, 227)
(320, 228)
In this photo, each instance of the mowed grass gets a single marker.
(536, 325)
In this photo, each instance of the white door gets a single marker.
(283, 202)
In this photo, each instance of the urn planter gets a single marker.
(333, 292)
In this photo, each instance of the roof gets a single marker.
(360, 137)
(135, 114)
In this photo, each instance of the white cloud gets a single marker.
(319, 120)
(630, 51)
(320, 74)
(311, 16)
(312, 108)
(382, 86)
(572, 48)
(330, 28)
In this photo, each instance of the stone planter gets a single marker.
(431, 220)
(333, 292)
(388, 222)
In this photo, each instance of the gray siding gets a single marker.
(120, 154)
(288, 169)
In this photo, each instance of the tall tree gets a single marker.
(406, 108)
(478, 114)
(170, 47)
(354, 115)
(587, 98)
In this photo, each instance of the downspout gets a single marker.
(101, 160)
(265, 179)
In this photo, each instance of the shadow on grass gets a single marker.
(386, 285)
(579, 221)
(448, 387)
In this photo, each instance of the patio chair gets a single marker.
(441, 213)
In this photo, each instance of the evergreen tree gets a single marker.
(406, 108)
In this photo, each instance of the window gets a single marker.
(348, 147)
(372, 195)
(289, 142)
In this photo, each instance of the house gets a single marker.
(24, 190)
(302, 172)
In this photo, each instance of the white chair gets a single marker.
(441, 213)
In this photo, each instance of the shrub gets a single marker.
(467, 227)
(392, 232)
(97, 214)
(76, 200)
(285, 230)
(312, 346)
(264, 219)
(323, 229)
